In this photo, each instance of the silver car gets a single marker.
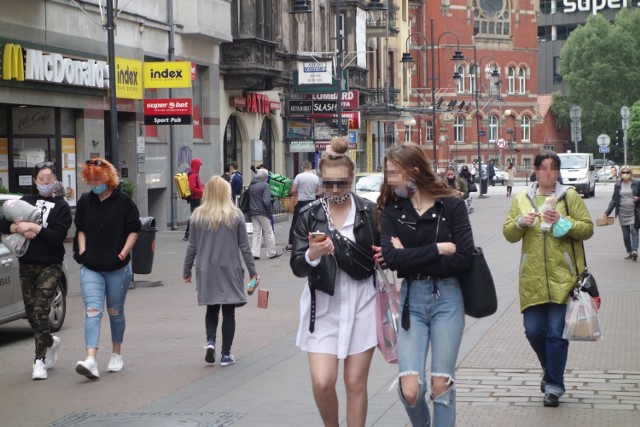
(11, 304)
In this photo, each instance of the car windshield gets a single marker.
(573, 162)
(369, 183)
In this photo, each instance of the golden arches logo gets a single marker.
(12, 62)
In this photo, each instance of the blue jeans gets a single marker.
(439, 321)
(630, 237)
(543, 326)
(95, 286)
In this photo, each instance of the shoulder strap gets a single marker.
(584, 253)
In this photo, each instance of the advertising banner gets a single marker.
(128, 78)
(167, 75)
(167, 111)
(314, 73)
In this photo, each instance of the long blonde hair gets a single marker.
(216, 209)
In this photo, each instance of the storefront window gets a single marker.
(268, 156)
(232, 150)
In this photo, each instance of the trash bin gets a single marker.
(145, 247)
(484, 185)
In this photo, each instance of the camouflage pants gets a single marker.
(38, 288)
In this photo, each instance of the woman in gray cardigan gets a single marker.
(217, 239)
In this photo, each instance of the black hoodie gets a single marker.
(106, 225)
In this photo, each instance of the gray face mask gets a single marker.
(46, 190)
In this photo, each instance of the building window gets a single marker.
(460, 71)
(492, 17)
(429, 131)
(522, 74)
(557, 78)
(493, 128)
(512, 80)
(458, 130)
(472, 79)
(526, 129)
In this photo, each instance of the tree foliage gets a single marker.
(600, 66)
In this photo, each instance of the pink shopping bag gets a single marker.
(387, 316)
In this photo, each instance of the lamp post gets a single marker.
(495, 79)
(113, 108)
(407, 60)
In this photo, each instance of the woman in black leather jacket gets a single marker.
(337, 308)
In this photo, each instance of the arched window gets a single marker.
(460, 71)
(512, 80)
(522, 73)
(491, 17)
(458, 129)
(493, 128)
(526, 129)
(429, 130)
(472, 79)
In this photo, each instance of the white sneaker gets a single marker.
(89, 368)
(115, 364)
(52, 353)
(39, 370)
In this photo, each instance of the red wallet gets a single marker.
(263, 298)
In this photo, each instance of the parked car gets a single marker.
(11, 304)
(598, 163)
(368, 185)
(500, 178)
(607, 173)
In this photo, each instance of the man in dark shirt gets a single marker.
(236, 181)
(226, 175)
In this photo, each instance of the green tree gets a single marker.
(633, 133)
(600, 66)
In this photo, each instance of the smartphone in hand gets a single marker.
(318, 236)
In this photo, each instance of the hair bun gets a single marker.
(339, 145)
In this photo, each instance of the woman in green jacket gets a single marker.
(551, 220)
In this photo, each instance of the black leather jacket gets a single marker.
(313, 218)
(323, 276)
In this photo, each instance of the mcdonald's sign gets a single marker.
(12, 62)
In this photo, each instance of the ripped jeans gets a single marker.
(439, 322)
(96, 286)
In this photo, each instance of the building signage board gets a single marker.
(307, 146)
(350, 98)
(321, 88)
(298, 129)
(175, 111)
(254, 102)
(350, 118)
(159, 75)
(322, 145)
(314, 72)
(300, 107)
(128, 78)
(33, 121)
(594, 6)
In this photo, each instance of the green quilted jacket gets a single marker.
(547, 263)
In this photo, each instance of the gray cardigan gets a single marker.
(219, 273)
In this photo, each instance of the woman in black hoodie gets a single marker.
(41, 265)
(107, 223)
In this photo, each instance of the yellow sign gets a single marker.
(128, 78)
(12, 62)
(167, 74)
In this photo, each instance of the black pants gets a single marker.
(193, 204)
(228, 325)
(296, 214)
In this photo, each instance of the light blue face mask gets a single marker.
(99, 189)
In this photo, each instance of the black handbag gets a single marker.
(476, 283)
(472, 186)
(478, 289)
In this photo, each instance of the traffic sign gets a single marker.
(482, 133)
(603, 149)
(501, 143)
(603, 140)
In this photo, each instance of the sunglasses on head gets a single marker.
(45, 165)
(336, 182)
(95, 162)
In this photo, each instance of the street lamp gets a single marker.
(495, 80)
(407, 60)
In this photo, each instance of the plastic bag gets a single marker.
(581, 321)
(469, 203)
(387, 316)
